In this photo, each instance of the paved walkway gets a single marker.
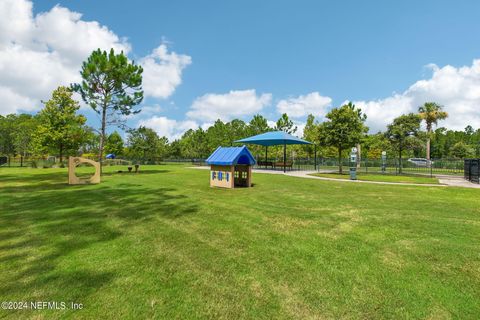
(444, 180)
(456, 181)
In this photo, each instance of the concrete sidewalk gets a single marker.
(444, 180)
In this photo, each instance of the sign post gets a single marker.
(384, 161)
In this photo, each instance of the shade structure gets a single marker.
(275, 138)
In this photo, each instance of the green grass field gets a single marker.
(381, 177)
(163, 244)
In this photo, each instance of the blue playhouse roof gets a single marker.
(227, 156)
(273, 138)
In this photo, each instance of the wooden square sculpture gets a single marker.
(73, 162)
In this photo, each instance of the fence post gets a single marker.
(9, 161)
(21, 161)
(431, 169)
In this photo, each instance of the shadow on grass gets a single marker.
(44, 221)
(141, 172)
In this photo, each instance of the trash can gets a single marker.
(353, 173)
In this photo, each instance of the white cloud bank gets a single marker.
(39, 53)
(303, 105)
(172, 129)
(236, 103)
(457, 89)
(163, 71)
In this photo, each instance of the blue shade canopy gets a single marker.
(227, 156)
(273, 138)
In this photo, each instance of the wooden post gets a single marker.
(284, 157)
(249, 176)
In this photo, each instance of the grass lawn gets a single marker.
(380, 177)
(163, 244)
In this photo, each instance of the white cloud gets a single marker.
(382, 112)
(312, 103)
(172, 129)
(300, 128)
(16, 29)
(10, 99)
(457, 89)
(39, 53)
(150, 110)
(63, 31)
(236, 103)
(206, 125)
(271, 123)
(163, 71)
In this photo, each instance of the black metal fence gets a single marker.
(34, 162)
(472, 170)
(390, 166)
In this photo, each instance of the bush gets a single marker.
(48, 164)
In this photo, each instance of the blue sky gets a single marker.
(371, 52)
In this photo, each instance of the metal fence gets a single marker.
(34, 162)
(392, 166)
(472, 170)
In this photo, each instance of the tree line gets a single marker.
(112, 86)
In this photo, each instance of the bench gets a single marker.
(265, 164)
(288, 164)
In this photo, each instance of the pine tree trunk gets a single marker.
(102, 136)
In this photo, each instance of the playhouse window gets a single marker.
(220, 175)
(214, 175)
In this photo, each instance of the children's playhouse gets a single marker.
(231, 167)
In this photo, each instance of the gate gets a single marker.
(472, 170)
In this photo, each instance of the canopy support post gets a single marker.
(315, 146)
(284, 157)
(266, 156)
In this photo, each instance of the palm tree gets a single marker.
(431, 112)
